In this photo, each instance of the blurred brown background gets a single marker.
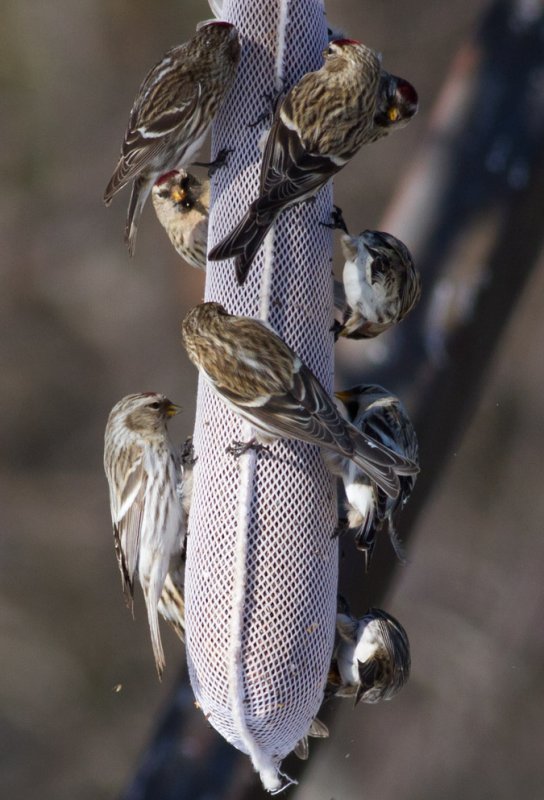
(82, 325)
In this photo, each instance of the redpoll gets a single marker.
(318, 127)
(317, 730)
(372, 659)
(172, 603)
(260, 378)
(182, 204)
(380, 281)
(377, 413)
(144, 476)
(172, 113)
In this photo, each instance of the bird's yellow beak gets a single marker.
(343, 396)
(172, 410)
(393, 114)
(178, 195)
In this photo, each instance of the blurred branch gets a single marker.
(471, 206)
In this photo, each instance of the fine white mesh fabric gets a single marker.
(262, 568)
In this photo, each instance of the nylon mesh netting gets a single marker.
(261, 572)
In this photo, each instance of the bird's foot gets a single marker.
(342, 527)
(219, 161)
(272, 101)
(337, 220)
(187, 454)
(337, 329)
(237, 449)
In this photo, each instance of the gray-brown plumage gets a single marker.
(149, 518)
(172, 113)
(182, 205)
(381, 283)
(377, 413)
(263, 380)
(317, 129)
(372, 659)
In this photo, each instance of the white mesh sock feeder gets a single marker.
(262, 568)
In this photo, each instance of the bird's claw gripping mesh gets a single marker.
(261, 573)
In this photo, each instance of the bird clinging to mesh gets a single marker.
(372, 659)
(377, 413)
(318, 127)
(263, 380)
(182, 205)
(172, 113)
(149, 505)
(381, 284)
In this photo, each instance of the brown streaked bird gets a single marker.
(172, 112)
(377, 413)
(264, 381)
(371, 662)
(318, 127)
(145, 478)
(182, 205)
(381, 283)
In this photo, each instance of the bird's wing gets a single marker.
(289, 173)
(304, 411)
(147, 136)
(128, 516)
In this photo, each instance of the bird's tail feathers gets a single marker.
(152, 593)
(381, 464)
(398, 547)
(244, 241)
(140, 191)
(172, 606)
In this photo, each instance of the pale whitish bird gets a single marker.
(182, 204)
(145, 479)
(381, 283)
(372, 659)
(172, 112)
(377, 413)
(264, 381)
(171, 604)
(318, 127)
(317, 730)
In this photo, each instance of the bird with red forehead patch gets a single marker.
(172, 112)
(182, 205)
(318, 127)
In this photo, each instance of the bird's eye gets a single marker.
(154, 405)
(330, 51)
(188, 204)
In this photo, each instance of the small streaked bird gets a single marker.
(318, 127)
(171, 604)
(182, 205)
(372, 659)
(172, 112)
(317, 730)
(264, 381)
(380, 281)
(377, 413)
(145, 479)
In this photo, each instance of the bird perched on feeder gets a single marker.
(182, 205)
(318, 127)
(172, 113)
(264, 381)
(376, 413)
